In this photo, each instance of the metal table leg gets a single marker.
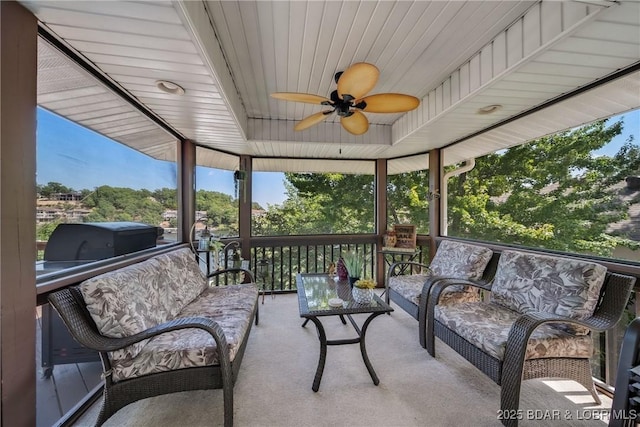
(323, 353)
(363, 348)
(324, 343)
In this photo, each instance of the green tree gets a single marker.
(407, 200)
(167, 197)
(123, 204)
(43, 231)
(297, 215)
(222, 210)
(321, 203)
(552, 193)
(53, 188)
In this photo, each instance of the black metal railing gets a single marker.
(277, 266)
(276, 262)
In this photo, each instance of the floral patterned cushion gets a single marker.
(532, 282)
(410, 288)
(125, 301)
(452, 259)
(487, 325)
(132, 299)
(182, 279)
(460, 260)
(230, 306)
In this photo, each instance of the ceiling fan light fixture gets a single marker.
(170, 87)
(489, 109)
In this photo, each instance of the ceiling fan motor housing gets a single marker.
(342, 105)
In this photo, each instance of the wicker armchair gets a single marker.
(514, 358)
(71, 305)
(452, 259)
(625, 410)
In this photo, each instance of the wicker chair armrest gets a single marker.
(404, 264)
(205, 324)
(425, 296)
(516, 347)
(441, 283)
(248, 273)
(82, 327)
(431, 291)
(614, 297)
(524, 326)
(392, 268)
(434, 287)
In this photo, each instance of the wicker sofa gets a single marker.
(453, 259)
(161, 328)
(536, 322)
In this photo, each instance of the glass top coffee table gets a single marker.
(314, 293)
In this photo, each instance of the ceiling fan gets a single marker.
(349, 100)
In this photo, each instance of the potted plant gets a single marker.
(354, 263)
(362, 291)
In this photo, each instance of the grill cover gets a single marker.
(99, 240)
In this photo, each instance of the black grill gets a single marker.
(71, 245)
(99, 240)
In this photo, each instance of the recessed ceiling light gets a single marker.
(489, 109)
(170, 87)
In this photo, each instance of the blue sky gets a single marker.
(268, 187)
(82, 159)
(631, 127)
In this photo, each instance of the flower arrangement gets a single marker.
(365, 284)
(354, 262)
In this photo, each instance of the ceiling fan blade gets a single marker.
(389, 103)
(356, 123)
(358, 80)
(311, 120)
(300, 97)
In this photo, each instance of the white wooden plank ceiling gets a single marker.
(69, 92)
(456, 56)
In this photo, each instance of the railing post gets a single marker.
(435, 179)
(244, 208)
(186, 189)
(381, 217)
